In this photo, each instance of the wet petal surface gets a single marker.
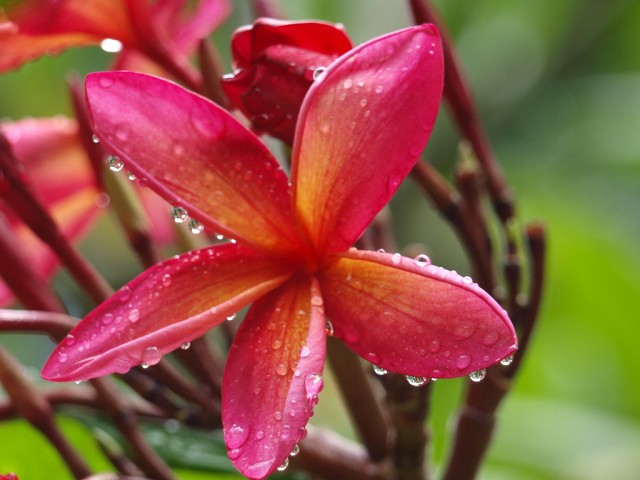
(410, 317)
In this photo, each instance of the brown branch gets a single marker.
(363, 401)
(33, 406)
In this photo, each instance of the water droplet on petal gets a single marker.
(62, 357)
(231, 317)
(417, 381)
(276, 344)
(78, 382)
(115, 164)
(347, 84)
(507, 360)
(329, 329)
(379, 89)
(95, 139)
(305, 352)
(318, 73)
(281, 369)
(422, 260)
(179, 214)
(236, 436)
(490, 338)
(107, 319)
(185, 346)
(463, 361)
(363, 102)
(151, 356)
(131, 176)
(284, 465)
(166, 280)
(234, 453)
(478, 375)
(134, 315)
(434, 346)
(124, 294)
(396, 258)
(373, 357)
(195, 226)
(70, 340)
(379, 370)
(111, 45)
(468, 280)
(316, 300)
(313, 385)
(105, 81)
(295, 451)
(259, 435)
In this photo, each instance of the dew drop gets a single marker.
(379, 370)
(292, 413)
(121, 365)
(107, 319)
(422, 260)
(134, 315)
(236, 436)
(115, 164)
(373, 358)
(151, 356)
(318, 73)
(396, 258)
(70, 340)
(281, 369)
(490, 338)
(363, 102)
(179, 214)
(185, 346)
(166, 280)
(379, 89)
(463, 331)
(316, 300)
(105, 81)
(302, 433)
(95, 139)
(131, 176)
(329, 329)
(124, 294)
(417, 381)
(62, 357)
(313, 385)
(506, 361)
(195, 226)
(468, 280)
(276, 344)
(277, 415)
(295, 451)
(463, 361)
(231, 317)
(234, 453)
(434, 346)
(305, 352)
(347, 84)
(285, 464)
(111, 45)
(78, 382)
(259, 435)
(478, 375)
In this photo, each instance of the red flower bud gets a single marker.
(274, 67)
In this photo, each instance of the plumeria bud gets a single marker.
(274, 65)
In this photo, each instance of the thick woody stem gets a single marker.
(360, 395)
(410, 407)
(457, 94)
(33, 406)
(36, 216)
(325, 455)
(477, 419)
(127, 423)
(18, 273)
(56, 325)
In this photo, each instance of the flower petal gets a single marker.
(195, 155)
(169, 304)
(413, 318)
(273, 376)
(361, 128)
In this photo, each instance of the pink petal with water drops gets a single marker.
(361, 128)
(273, 376)
(411, 317)
(166, 306)
(196, 156)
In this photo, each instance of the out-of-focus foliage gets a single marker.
(558, 86)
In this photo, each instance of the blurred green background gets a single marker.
(558, 87)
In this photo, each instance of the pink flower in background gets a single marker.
(164, 31)
(274, 67)
(361, 128)
(58, 170)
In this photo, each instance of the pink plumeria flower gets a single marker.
(361, 128)
(164, 32)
